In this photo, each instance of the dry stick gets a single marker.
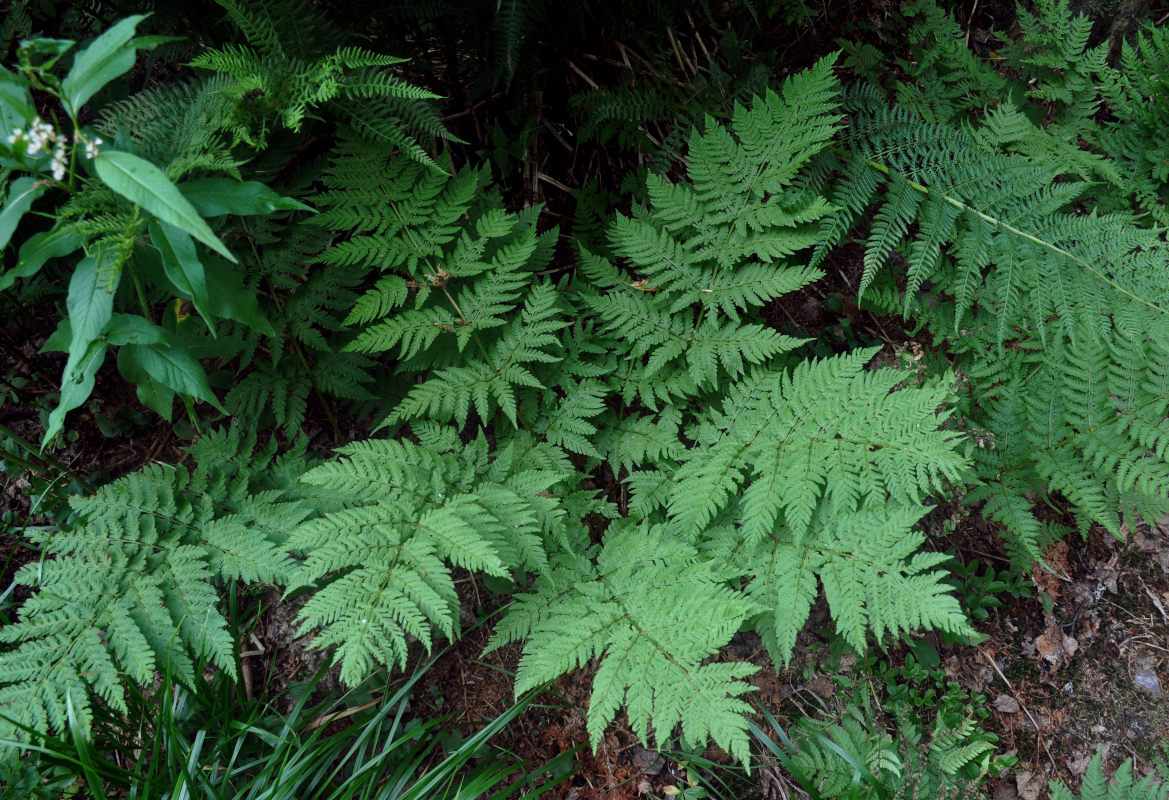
(624, 56)
(698, 38)
(1038, 733)
(548, 126)
(579, 72)
(540, 176)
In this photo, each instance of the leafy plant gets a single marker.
(115, 198)
(1122, 786)
(1017, 270)
(130, 585)
(933, 744)
(621, 434)
(979, 591)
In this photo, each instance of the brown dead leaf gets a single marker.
(1029, 784)
(1053, 645)
(822, 686)
(1108, 573)
(1143, 543)
(1056, 561)
(1006, 704)
(1077, 763)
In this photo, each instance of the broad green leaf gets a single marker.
(106, 57)
(229, 298)
(36, 251)
(16, 106)
(133, 329)
(58, 341)
(181, 263)
(76, 384)
(172, 366)
(151, 393)
(152, 41)
(90, 302)
(142, 183)
(21, 195)
(42, 53)
(214, 197)
(90, 307)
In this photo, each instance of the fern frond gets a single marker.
(450, 393)
(872, 573)
(132, 585)
(381, 563)
(827, 429)
(638, 613)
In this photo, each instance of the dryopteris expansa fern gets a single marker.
(652, 610)
(132, 586)
(1072, 304)
(715, 247)
(407, 513)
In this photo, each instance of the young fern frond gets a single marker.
(280, 75)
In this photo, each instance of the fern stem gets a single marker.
(474, 336)
(317, 391)
(1006, 226)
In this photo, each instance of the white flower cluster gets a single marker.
(41, 135)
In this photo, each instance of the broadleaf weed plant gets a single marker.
(110, 205)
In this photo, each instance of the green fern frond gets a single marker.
(381, 563)
(452, 392)
(133, 584)
(652, 613)
(828, 429)
(1096, 786)
(869, 566)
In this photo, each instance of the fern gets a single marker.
(279, 76)
(995, 228)
(828, 428)
(132, 585)
(1135, 137)
(710, 249)
(177, 125)
(870, 570)
(785, 480)
(1122, 786)
(1055, 58)
(381, 563)
(651, 610)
